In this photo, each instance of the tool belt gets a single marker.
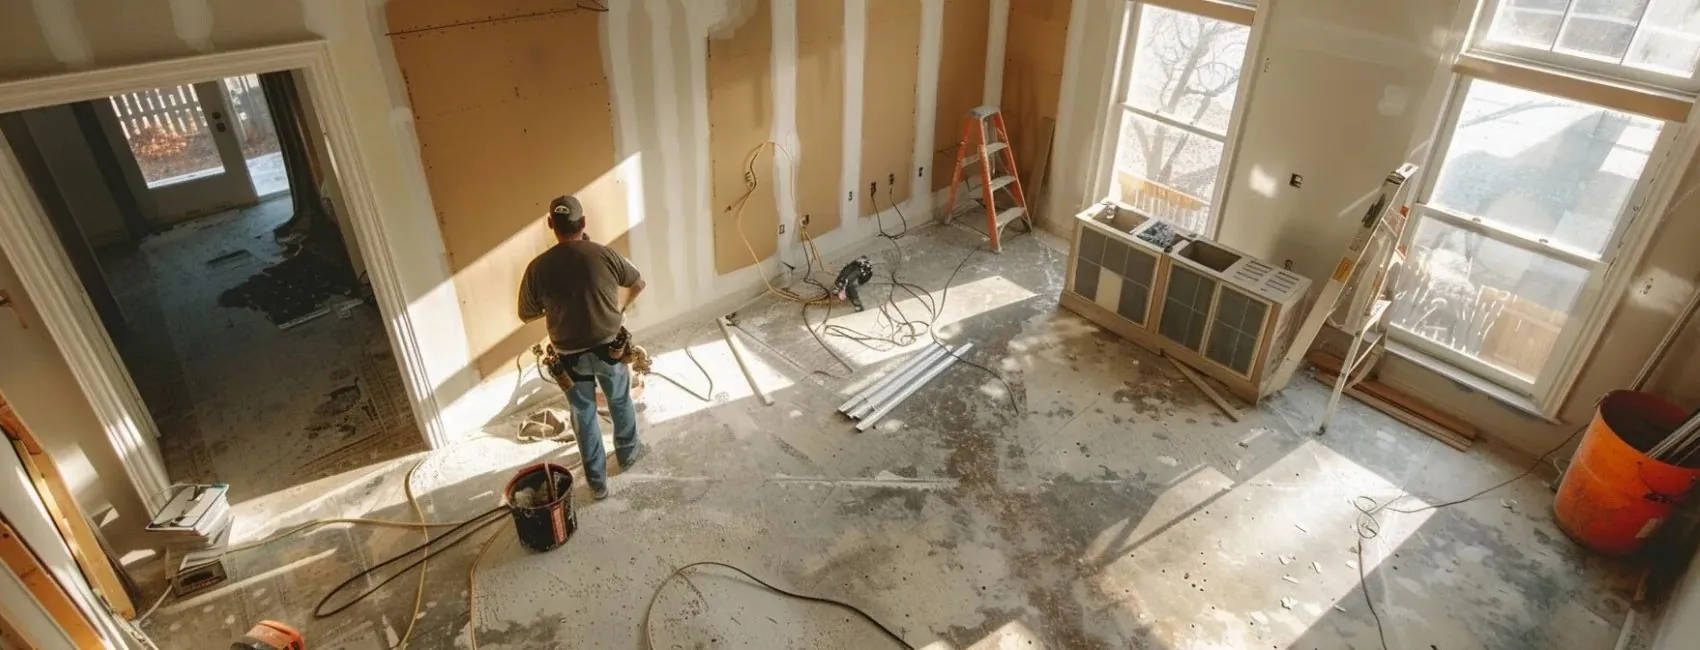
(619, 350)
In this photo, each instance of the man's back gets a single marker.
(576, 285)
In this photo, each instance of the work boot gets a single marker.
(599, 493)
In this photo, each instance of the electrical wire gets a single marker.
(751, 182)
(707, 396)
(483, 521)
(1369, 527)
(649, 638)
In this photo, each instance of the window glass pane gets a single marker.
(1600, 29)
(1187, 67)
(1670, 38)
(1166, 172)
(1498, 304)
(1528, 22)
(1545, 166)
(168, 134)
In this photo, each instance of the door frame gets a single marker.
(46, 274)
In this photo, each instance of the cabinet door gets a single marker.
(1235, 332)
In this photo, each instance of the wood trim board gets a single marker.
(740, 120)
(1650, 103)
(67, 516)
(1456, 433)
(23, 563)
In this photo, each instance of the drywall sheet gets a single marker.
(962, 72)
(508, 119)
(889, 71)
(416, 15)
(1032, 78)
(820, 114)
(740, 119)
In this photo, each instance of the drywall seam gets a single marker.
(64, 33)
(997, 41)
(926, 102)
(666, 121)
(784, 65)
(193, 22)
(1063, 140)
(614, 28)
(702, 226)
(855, 51)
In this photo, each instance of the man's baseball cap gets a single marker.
(566, 208)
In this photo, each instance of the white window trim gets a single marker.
(1608, 274)
(1251, 67)
(1577, 61)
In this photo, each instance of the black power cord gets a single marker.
(436, 548)
(680, 572)
(1369, 527)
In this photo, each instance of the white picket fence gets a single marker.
(177, 109)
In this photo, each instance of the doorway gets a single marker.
(205, 224)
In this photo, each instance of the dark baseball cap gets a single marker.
(566, 208)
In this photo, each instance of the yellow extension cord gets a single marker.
(751, 182)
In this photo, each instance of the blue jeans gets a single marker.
(616, 381)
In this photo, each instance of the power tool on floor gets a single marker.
(851, 278)
(271, 635)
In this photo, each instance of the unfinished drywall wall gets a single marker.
(820, 115)
(740, 119)
(961, 86)
(508, 117)
(1033, 72)
(889, 76)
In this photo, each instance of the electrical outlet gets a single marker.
(891, 180)
(850, 197)
(1296, 181)
(874, 187)
(920, 171)
(781, 229)
(805, 221)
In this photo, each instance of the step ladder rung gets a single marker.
(991, 148)
(1005, 217)
(997, 184)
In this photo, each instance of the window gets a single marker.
(1179, 86)
(1653, 41)
(1531, 190)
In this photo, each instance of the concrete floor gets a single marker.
(236, 399)
(1117, 509)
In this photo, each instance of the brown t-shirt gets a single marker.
(576, 285)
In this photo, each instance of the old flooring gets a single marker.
(236, 398)
(1111, 507)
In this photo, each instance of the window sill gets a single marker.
(1469, 381)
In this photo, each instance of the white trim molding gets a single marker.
(46, 274)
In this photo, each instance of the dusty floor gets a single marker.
(236, 399)
(1117, 509)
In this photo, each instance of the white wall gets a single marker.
(72, 164)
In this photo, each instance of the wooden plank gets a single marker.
(507, 119)
(1036, 176)
(1447, 429)
(890, 70)
(1033, 68)
(820, 116)
(962, 79)
(67, 516)
(47, 591)
(1209, 391)
(740, 120)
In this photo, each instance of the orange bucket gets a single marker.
(1614, 496)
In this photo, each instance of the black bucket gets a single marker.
(542, 522)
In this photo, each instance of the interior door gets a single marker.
(185, 141)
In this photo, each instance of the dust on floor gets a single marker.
(1111, 507)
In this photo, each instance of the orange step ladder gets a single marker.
(996, 177)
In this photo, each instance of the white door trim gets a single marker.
(46, 273)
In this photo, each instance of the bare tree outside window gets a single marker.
(1186, 69)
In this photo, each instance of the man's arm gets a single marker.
(530, 306)
(628, 278)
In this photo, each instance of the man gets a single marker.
(576, 286)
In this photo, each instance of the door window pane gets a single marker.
(168, 134)
(1187, 67)
(257, 134)
(1541, 165)
(1499, 304)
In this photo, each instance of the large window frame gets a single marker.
(1241, 12)
(1559, 74)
